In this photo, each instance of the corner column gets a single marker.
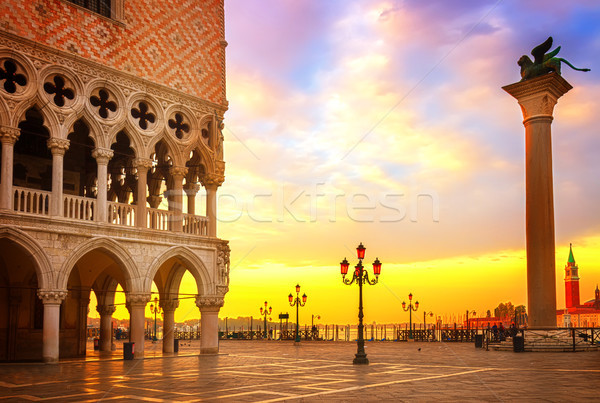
(177, 173)
(58, 148)
(8, 137)
(211, 182)
(209, 323)
(106, 313)
(168, 308)
(142, 165)
(102, 156)
(136, 303)
(51, 332)
(537, 98)
(191, 190)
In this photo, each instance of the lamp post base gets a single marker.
(360, 359)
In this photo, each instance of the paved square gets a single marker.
(271, 371)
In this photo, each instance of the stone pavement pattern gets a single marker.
(270, 371)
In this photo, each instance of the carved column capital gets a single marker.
(102, 155)
(212, 180)
(538, 96)
(9, 135)
(142, 163)
(106, 310)
(55, 297)
(58, 146)
(178, 172)
(137, 299)
(210, 303)
(191, 189)
(169, 304)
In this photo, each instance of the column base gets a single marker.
(50, 360)
(209, 350)
(360, 359)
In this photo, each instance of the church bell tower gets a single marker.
(571, 281)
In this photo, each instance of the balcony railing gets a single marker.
(121, 214)
(79, 208)
(195, 225)
(34, 201)
(31, 201)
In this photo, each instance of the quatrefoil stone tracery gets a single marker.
(60, 91)
(179, 126)
(143, 115)
(102, 102)
(11, 77)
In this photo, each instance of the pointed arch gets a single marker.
(192, 261)
(50, 119)
(90, 121)
(112, 249)
(205, 154)
(43, 266)
(4, 113)
(137, 144)
(172, 148)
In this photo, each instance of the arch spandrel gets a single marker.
(51, 121)
(192, 262)
(133, 281)
(42, 264)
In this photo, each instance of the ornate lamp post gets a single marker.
(265, 312)
(360, 276)
(425, 317)
(410, 310)
(472, 313)
(154, 308)
(297, 303)
(312, 320)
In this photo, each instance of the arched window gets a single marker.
(107, 8)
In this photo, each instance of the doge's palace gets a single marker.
(111, 118)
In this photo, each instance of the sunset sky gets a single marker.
(384, 122)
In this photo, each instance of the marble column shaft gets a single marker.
(8, 137)
(51, 331)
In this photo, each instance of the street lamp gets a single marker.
(424, 317)
(265, 312)
(312, 320)
(154, 308)
(472, 313)
(297, 303)
(410, 310)
(360, 276)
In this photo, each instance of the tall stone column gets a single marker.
(176, 201)
(168, 307)
(209, 323)
(537, 98)
(106, 313)
(58, 147)
(8, 137)
(102, 156)
(51, 332)
(136, 303)
(142, 165)
(211, 182)
(191, 190)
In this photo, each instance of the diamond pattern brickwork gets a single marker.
(177, 43)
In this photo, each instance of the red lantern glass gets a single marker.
(344, 266)
(410, 296)
(357, 270)
(360, 251)
(265, 303)
(377, 267)
(270, 309)
(304, 298)
(403, 304)
(291, 298)
(297, 287)
(261, 310)
(417, 304)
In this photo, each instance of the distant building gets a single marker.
(110, 129)
(576, 314)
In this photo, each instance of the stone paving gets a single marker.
(271, 371)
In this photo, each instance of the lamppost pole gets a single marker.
(410, 310)
(154, 308)
(361, 277)
(472, 313)
(425, 317)
(265, 312)
(298, 303)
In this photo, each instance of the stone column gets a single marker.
(176, 201)
(191, 190)
(136, 303)
(209, 323)
(102, 156)
(142, 165)
(537, 98)
(8, 137)
(106, 312)
(58, 147)
(168, 307)
(211, 182)
(51, 333)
